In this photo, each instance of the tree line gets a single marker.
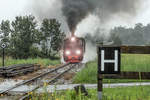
(138, 35)
(26, 38)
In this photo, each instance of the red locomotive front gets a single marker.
(73, 49)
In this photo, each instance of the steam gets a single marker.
(90, 53)
(48, 9)
(77, 10)
(72, 12)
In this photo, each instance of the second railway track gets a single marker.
(62, 70)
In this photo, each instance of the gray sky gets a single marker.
(11, 8)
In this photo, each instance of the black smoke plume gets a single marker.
(76, 10)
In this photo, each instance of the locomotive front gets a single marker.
(73, 49)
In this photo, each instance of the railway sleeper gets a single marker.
(21, 71)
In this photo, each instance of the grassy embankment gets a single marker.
(136, 63)
(122, 93)
(44, 62)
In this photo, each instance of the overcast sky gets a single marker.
(11, 8)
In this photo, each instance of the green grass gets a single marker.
(121, 93)
(44, 62)
(88, 74)
(136, 63)
(127, 93)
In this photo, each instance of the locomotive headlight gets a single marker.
(67, 52)
(73, 39)
(78, 52)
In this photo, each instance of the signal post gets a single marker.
(3, 46)
(108, 63)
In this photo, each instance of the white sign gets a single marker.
(3, 45)
(103, 61)
(109, 60)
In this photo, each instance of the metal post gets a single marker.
(100, 86)
(3, 46)
(99, 78)
(3, 58)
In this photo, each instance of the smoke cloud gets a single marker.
(71, 12)
(77, 10)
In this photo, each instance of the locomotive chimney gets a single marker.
(73, 33)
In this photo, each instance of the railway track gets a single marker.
(19, 69)
(39, 77)
(27, 96)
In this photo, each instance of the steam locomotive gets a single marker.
(73, 49)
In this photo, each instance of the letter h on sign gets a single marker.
(109, 60)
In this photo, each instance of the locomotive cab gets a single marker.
(73, 49)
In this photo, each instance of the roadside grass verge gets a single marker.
(121, 93)
(44, 62)
(129, 62)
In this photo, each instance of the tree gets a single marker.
(129, 36)
(52, 37)
(114, 37)
(138, 34)
(5, 35)
(5, 31)
(24, 35)
(146, 34)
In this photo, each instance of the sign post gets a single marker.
(108, 63)
(3, 47)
